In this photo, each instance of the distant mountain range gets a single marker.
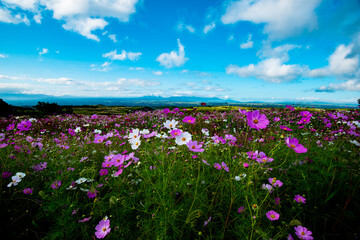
(156, 101)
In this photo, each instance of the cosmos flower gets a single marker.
(300, 199)
(189, 119)
(303, 233)
(194, 146)
(56, 184)
(285, 128)
(294, 144)
(256, 120)
(272, 215)
(171, 124)
(103, 228)
(183, 138)
(27, 191)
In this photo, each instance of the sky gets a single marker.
(247, 50)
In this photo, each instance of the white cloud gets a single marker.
(2, 56)
(123, 56)
(181, 27)
(339, 63)
(7, 17)
(209, 27)
(134, 55)
(37, 18)
(43, 51)
(158, 73)
(136, 82)
(174, 58)
(24, 4)
(120, 9)
(105, 67)
(137, 68)
(349, 85)
(81, 16)
(85, 26)
(280, 52)
(61, 80)
(247, 44)
(113, 38)
(282, 18)
(9, 77)
(271, 69)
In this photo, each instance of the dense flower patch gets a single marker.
(269, 173)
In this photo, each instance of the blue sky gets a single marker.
(265, 50)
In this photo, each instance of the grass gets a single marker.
(166, 191)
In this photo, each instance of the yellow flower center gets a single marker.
(193, 147)
(272, 216)
(170, 125)
(104, 229)
(183, 139)
(292, 145)
(255, 121)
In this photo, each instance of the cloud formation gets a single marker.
(113, 55)
(81, 16)
(282, 18)
(174, 58)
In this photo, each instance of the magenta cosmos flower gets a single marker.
(300, 199)
(303, 233)
(256, 120)
(24, 125)
(103, 228)
(272, 215)
(189, 119)
(194, 146)
(294, 144)
(56, 184)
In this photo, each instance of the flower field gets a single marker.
(280, 173)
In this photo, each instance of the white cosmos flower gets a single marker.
(15, 180)
(134, 135)
(135, 144)
(183, 138)
(77, 130)
(82, 180)
(20, 174)
(144, 131)
(170, 124)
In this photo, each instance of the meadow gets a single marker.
(228, 173)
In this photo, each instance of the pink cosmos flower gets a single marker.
(27, 191)
(277, 200)
(272, 215)
(226, 168)
(175, 132)
(10, 127)
(275, 183)
(92, 193)
(276, 119)
(85, 219)
(103, 228)
(300, 199)
(303, 233)
(290, 237)
(246, 165)
(56, 184)
(217, 166)
(285, 128)
(24, 125)
(71, 132)
(189, 119)
(256, 120)
(103, 172)
(194, 146)
(294, 144)
(241, 209)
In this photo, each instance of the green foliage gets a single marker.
(175, 199)
(46, 108)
